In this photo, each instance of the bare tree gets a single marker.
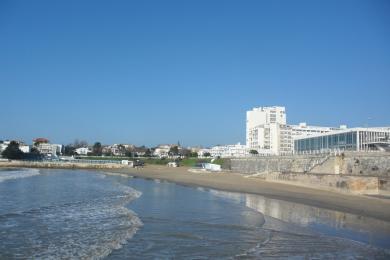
(79, 144)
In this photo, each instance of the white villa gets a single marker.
(83, 151)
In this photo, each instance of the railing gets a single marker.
(75, 161)
(316, 162)
(96, 161)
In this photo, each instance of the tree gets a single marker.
(207, 154)
(121, 150)
(185, 152)
(139, 151)
(194, 154)
(97, 149)
(79, 144)
(130, 153)
(148, 153)
(13, 151)
(254, 152)
(34, 150)
(174, 150)
(34, 154)
(69, 149)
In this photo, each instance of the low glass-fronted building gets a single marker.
(353, 139)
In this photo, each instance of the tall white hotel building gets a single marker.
(268, 133)
(264, 129)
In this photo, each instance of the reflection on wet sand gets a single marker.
(330, 222)
(307, 215)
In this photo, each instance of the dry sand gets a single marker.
(354, 204)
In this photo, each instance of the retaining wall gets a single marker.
(61, 165)
(364, 173)
(360, 164)
(366, 164)
(283, 164)
(347, 184)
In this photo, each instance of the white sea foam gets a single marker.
(76, 230)
(118, 174)
(17, 174)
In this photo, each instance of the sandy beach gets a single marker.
(367, 206)
(355, 204)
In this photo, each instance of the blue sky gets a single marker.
(150, 72)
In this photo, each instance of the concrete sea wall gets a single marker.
(363, 164)
(283, 164)
(61, 165)
(346, 184)
(365, 173)
(360, 164)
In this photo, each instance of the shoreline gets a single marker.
(367, 206)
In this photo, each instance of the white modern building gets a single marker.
(226, 151)
(49, 149)
(303, 130)
(266, 115)
(350, 139)
(267, 131)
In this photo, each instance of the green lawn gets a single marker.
(189, 162)
(111, 158)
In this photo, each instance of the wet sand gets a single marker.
(355, 204)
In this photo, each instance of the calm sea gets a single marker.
(56, 214)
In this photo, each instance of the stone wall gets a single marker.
(366, 164)
(284, 164)
(360, 164)
(347, 184)
(363, 173)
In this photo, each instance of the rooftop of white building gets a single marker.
(304, 125)
(265, 108)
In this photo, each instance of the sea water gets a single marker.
(53, 214)
(73, 214)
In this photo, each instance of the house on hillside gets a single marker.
(44, 146)
(162, 151)
(82, 151)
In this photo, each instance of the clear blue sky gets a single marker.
(149, 72)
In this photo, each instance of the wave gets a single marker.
(125, 175)
(17, 174)
(88, 229)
